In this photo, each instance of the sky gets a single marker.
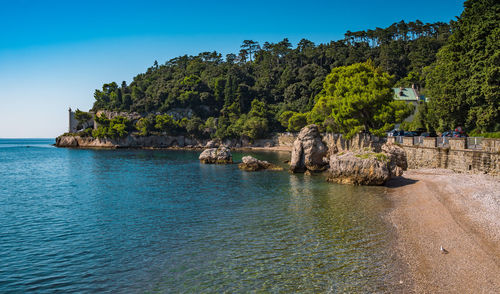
(54, 54)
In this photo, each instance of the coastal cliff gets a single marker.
(127, 142)
(283, 141)
(159, 141)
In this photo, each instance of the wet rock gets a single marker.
(253, 164)
(221, 155)
(309, 151)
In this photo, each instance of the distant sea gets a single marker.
(135, 221)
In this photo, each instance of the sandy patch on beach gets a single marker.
(461, 212)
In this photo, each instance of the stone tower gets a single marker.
(72, 127)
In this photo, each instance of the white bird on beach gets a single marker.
(444, 251)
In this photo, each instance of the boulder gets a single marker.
(253, 164)
(359, 168)
(221, 155)
(397, 159)
(367, 167)
(211, 144)
(309, 151)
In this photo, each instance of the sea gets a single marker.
(158, 221)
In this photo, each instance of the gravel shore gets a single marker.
(461, 212)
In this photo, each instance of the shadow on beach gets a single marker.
(399, 182)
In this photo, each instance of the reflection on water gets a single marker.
(142, 220)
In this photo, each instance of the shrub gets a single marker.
(297, 122)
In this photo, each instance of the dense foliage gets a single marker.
(117, 127)
(464, 83)
(358, 98)
(265, 88)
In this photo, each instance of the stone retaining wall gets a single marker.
(456, 156)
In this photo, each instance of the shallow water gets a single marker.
(136, 221)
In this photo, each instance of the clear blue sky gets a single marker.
(54, 54)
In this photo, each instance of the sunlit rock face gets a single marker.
(220, 155)
(367, 167)
(253, 164)
(309, 151)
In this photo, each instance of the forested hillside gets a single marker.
(257, 90)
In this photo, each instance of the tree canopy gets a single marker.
(464, 82)
(220, 92)
(358, 98)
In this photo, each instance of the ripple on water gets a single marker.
(142, 220)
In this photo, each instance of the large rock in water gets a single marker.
(367, 167)
(309, 151)
(253, 164)
(221, 155)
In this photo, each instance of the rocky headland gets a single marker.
(162, 141)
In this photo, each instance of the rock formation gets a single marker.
(397, 159)
(130, 141)
(211, 144)
(253, 164)
(66, 141)
(221, 155)
(367, 167)
(309, 151)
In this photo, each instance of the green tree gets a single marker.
(250, 47)
(258, 109)
(285, 117)
(210, 126)
(255, 127)
(82, 116)
(165, 123)
(118, 127)
(145, 125)
(194, 126)
(357, 98)
(100, 132)
(280, 76)
(296, 122)
(464, 83)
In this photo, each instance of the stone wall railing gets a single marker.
(484, 144)
(457, 154)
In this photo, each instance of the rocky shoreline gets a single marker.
(309, 153)
(431, 208)
(158, 142)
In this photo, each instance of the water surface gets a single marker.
(134, 221)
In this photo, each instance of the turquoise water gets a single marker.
(134, 221)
